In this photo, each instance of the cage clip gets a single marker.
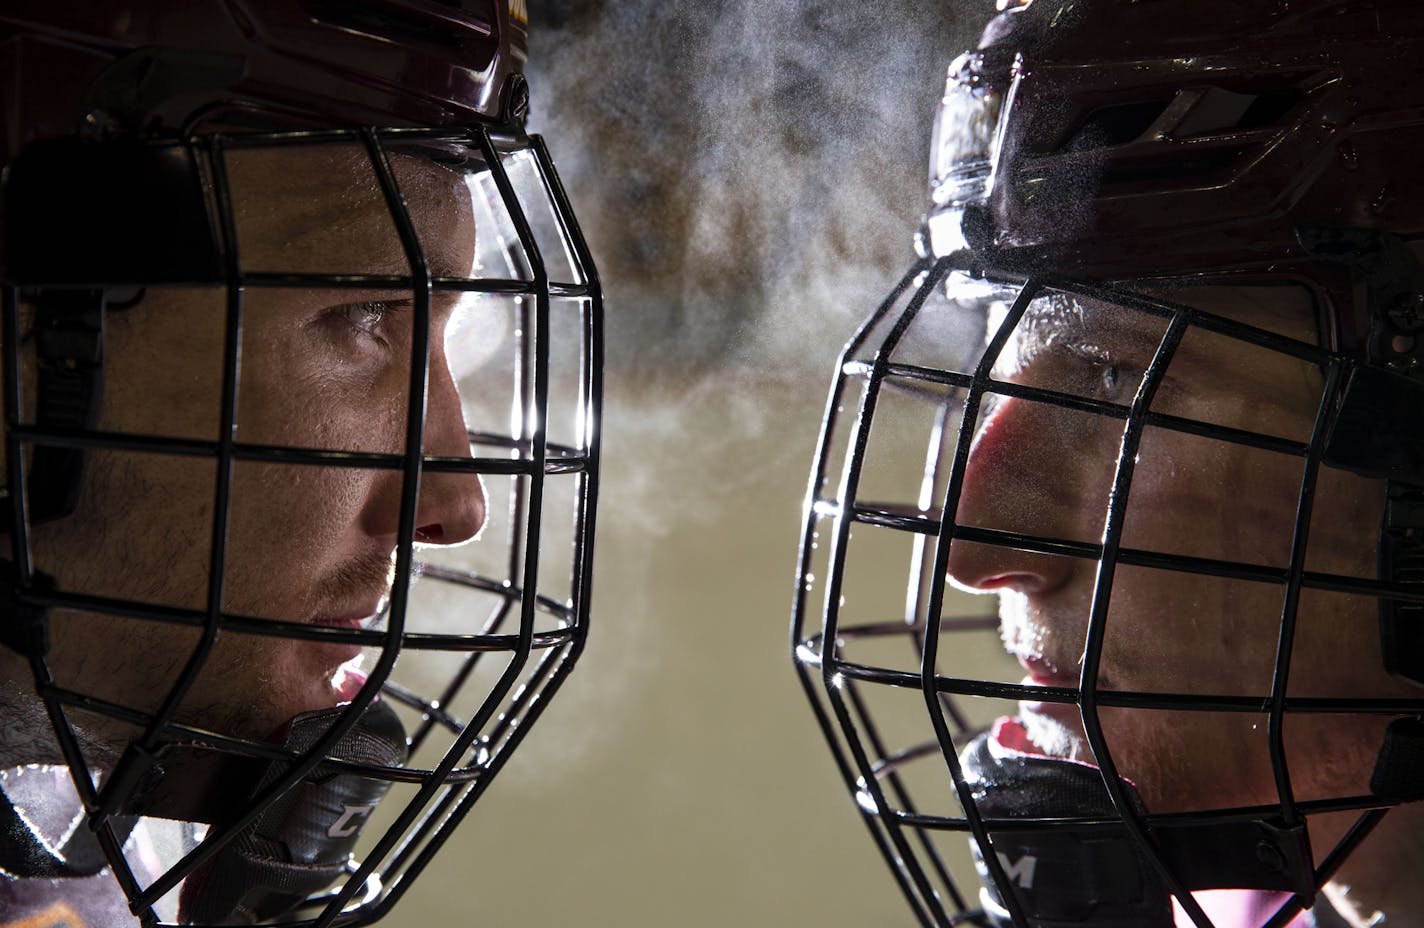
(24, 627)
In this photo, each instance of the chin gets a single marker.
(291, 684)
(335, 683)
(1053, 737)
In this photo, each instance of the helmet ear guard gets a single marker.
(1378, 428)
(302, 843)
(85, 221)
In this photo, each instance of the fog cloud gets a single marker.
(749, 173)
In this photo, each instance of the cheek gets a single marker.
(1172, 632)
(1184, 761)
(164, 364)
(1186, 632)
(290, 526)
(296, 500)
(1040, 470)
(336, 409)
(1204, 498)
(302, 386)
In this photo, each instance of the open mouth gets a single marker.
(348, 680)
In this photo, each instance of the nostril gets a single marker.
(430, 534)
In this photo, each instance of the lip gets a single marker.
(1044, 672)
(337, 653)
(1047, 671)
(355, 622)
(356, 617)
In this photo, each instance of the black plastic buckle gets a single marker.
(1401, 558)
(1399, 769)
(69, 342)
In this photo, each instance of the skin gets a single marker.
(322, 369)
(1172, 632)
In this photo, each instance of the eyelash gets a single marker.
(366, 319)
(1111, 372)
(372, 315)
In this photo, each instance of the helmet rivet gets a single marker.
(1270, 856)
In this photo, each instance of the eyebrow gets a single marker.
(367, 234)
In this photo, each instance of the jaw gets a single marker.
(1055, 737)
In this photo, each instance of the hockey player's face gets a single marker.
(1047, 471)
(320, 369)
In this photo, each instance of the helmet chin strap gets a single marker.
(1065, 875)
(301, 843)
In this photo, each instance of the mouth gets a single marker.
(353, 622)
(1043, 671)
(1054, 728)
(348, 680)
(361, 616)
(345, 657)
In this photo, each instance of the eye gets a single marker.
(1104, 373)
(363, 324)
(365, 317)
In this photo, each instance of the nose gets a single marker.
(451, 509)
(1026, 474)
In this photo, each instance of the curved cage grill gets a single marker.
(904, 673)
(471, 641)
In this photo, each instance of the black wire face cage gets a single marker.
(1189, 588)
(411, 262)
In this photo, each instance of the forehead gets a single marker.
(1286, 309)
(321, 210)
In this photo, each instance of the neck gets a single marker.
(1382, 876)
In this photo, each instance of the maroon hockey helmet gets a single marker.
(1145, 219)
(307, 679)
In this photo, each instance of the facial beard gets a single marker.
(113, 547)
(1055, 739)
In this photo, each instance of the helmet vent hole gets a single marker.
(1171, 168)
(390, 24)
(1194, 113)
(1114, 125)
(1268, 109)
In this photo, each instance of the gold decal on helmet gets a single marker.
(58, 915)
(519, 11)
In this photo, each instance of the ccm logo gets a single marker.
(1019, 871)
(352, 817)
